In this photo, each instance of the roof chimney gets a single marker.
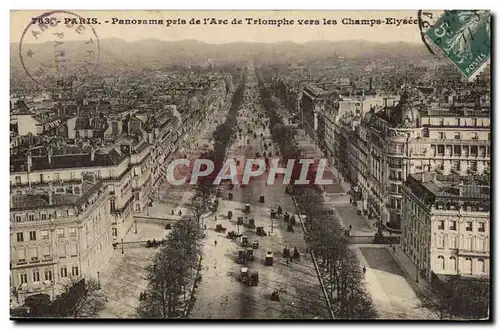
(50, 193)
(30, 162)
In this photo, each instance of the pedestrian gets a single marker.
(350, 227)
(215, 243)
(364, 270)
(291, 260)
(172, 212)
(215, 218)
(205, 227)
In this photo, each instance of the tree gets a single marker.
(198, 205)
(458, 297)
(81, 298)
(171, 271)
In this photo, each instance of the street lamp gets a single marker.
(98, 280)
(122, 245)
(135, 226)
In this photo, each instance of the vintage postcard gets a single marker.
(319, 165)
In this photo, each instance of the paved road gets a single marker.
(220, 294)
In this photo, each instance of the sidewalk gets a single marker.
(411, 271)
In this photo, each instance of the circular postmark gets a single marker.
(58, 48)
(426, 19)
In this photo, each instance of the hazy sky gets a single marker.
(245, 32)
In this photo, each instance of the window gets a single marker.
(48, 275)
(457, 150)
(21, 255)
(453, 225)
(440, 263)
(481, 227)
(440, 149)
(45, 234)
(452, 242)
(456, 165)
(473, 166)
(20, 237)
(480, 266)
(468, 265)
(114, 233)
(480, 244)
(62, 250)
(473, 135)
(468, 226)
(440, 242)
(18, 218)
(441, 135)
(112, 205)
(441, 122)
(457, 136)
(32, 235)
(72, 231)
(60, 232)
(18, 179)
(23, 278)
(467, 243)
(74, 271)
(453, 264)
(31, 217)
(73, 250)
(46, 251)
(44, 216)
(34, 253)
(64, 271)
(441, 224)
(36, 276)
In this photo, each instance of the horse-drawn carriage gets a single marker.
(248, 277)
(233, 235)
(220, 229)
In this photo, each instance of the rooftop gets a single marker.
(452, 186)
(47, 200)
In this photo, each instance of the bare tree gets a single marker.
(81, 298)
(171, 271)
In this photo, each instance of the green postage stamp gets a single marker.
(465, 38)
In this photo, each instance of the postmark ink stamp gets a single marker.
(464, 37)
(56, 48)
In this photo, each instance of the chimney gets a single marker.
(92, 154)
(30, 162)
(50, 193)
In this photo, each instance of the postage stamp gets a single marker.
(464, 36)
(73, 57)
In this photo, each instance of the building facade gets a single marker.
(56, 235)
(446, 224)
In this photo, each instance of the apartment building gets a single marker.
(60, 165)
(446, 224)
(57, 233)
(392, 142)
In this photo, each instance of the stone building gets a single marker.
(446, 224)
(56, 235)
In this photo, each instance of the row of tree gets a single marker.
(175, 266)
(342, 273)
(171, 273)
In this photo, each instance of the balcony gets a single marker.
(473, 253)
